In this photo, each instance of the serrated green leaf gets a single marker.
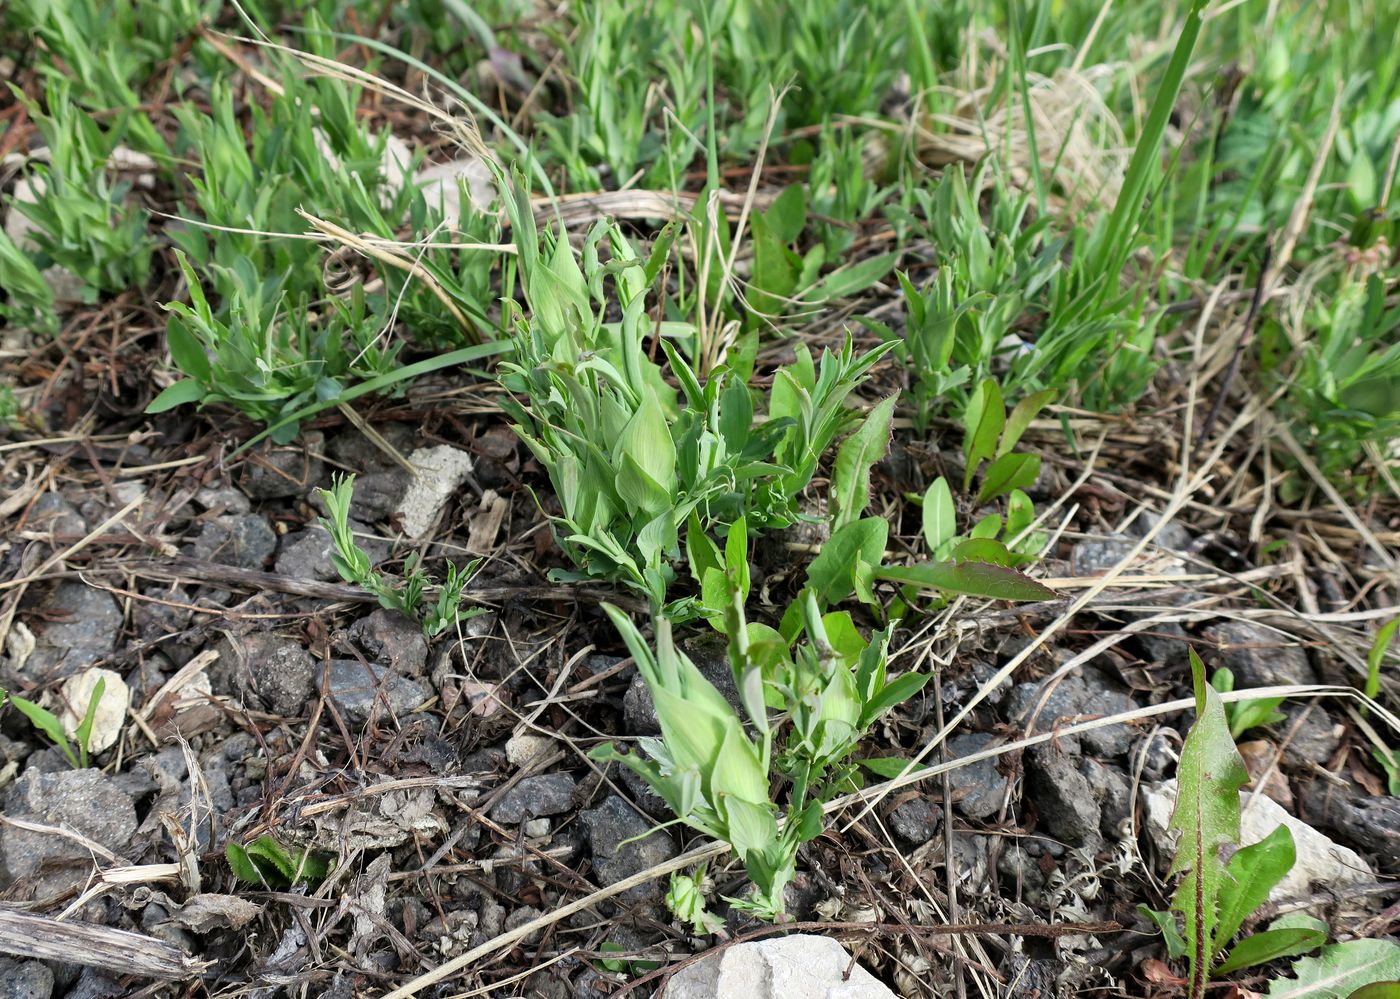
(832, 574)
(1207, 815)
(850, 479)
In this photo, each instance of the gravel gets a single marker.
(622, 846)
(978, 789)
(1063, 799)
(267, 668)
(362, 689)
(1257, 656)
(286, 470)
(245, 541)
(75, 627)
(393, 640)
(533, 797)
(25, 979)
(82, 801)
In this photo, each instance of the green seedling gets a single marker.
(686, 901)
(268, 863)
(82, 219)
(1215, 897)
(407, 596)
(620, 965)
(714, 768)
(1245, 715)
(630, 458)
(48, 724)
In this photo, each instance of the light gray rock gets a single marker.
(441, 469)
(547, 794)
(83, 801)
(25, 979)
(978, 789)
(800, 966)
(622, 846)
(1062, 796)
(1256, 655)
(78, 626)
(358, 689)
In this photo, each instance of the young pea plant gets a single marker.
(408, 596)
(806, 706)
(629, 458)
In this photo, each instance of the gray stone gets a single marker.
(1315, 737)
(53, 514)
(25, 979)
(1115, 797)
(1096, 556)
(1257, 656)
(1071, 700)
(1163, 642)
(978, 789)
(547, 794)
(799, 966)
(306, 554)
(914, 821)
(277, 471)
(245, 541)
(1371, 823)
(622, 846)
(77, 626)
(639, 710)
(83, 801)
(1062, 796)
(96, 983)
(274, 669)
(1173, 537)
(362, 689)
(393, 640)
(223, 499)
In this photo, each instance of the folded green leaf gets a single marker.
(976, 579)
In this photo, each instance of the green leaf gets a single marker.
(982, 424)
(787, 215)
(854, 279)
(1272, 944)
(1021, 416)
(177, 394)
(1377, 990)
(1254, 870)
(888, 767)
(831, 573)
(46, 722)
(1166, 924)
(1010, 471)
(242, 864)
(940, 515)
(896, 692)
(83, 733)
(1375, 656)
(976, 579)
(850, 479)
(1339, 970)
(1207, 815)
